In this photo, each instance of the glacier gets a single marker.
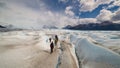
(76, 49)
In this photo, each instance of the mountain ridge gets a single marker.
(106, 25)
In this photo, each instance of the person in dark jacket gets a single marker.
(51, 45)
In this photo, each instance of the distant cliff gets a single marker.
(106, 25)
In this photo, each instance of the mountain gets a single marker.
(2, 26)
(106, 25)
(67, 27)
(49, 27)
(8, 28)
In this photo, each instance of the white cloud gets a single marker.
(87, 20)
(104, 15)
(69, 11)
(21, 16)
(18, 16)
(56, 19)
(115, 3)
(90, 5)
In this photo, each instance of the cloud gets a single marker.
(104, 15)
(69, 11)
(22, 14)
(33, 4)
(2, 5)
(24, 17)
(116, 3)
(56, 19)
(87, 20)
(18, 16)
(90, 5)
(116, 16)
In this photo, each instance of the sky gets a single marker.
(35, 14)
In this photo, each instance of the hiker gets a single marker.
(50, 39)
(56, 39)
(51, 45)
